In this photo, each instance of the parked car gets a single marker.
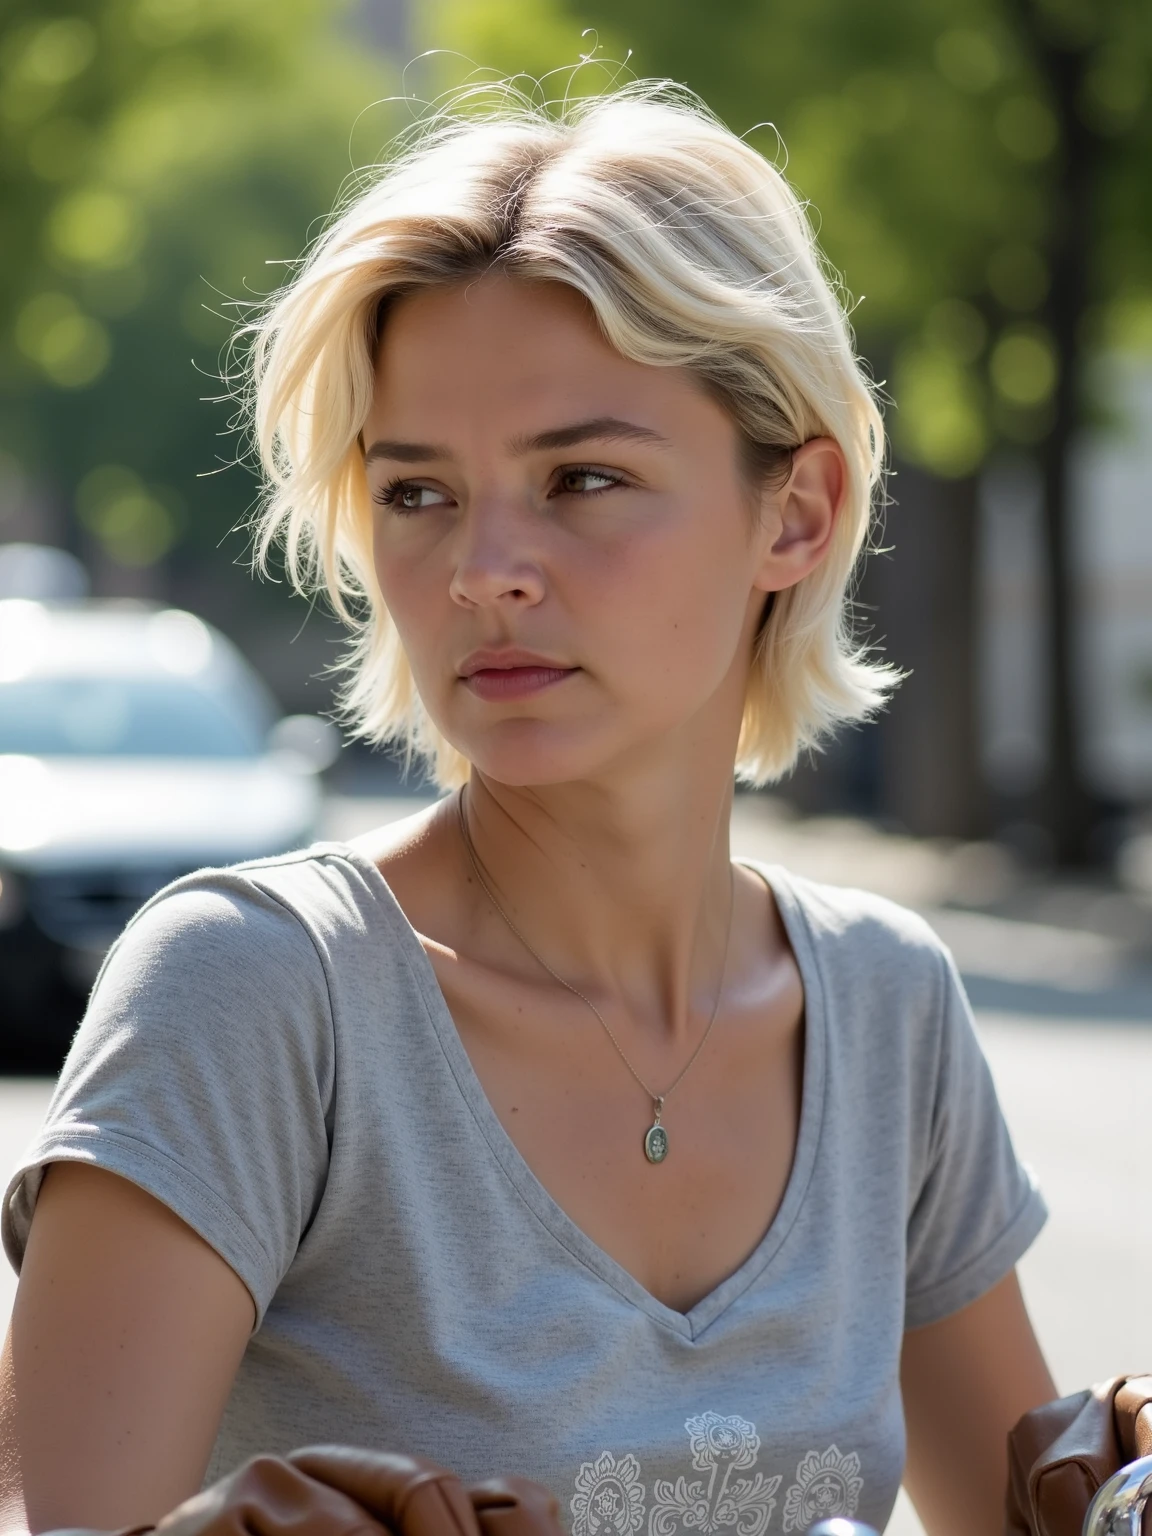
(136, 745)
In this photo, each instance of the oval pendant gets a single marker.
(656, 1143)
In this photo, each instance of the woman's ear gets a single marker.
(800, 516)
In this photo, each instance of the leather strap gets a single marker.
(269, 1496)
(407, 1495)
(1133, 1408)
(336, 1490)
(1060, 1453)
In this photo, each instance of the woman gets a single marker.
(532, 1133)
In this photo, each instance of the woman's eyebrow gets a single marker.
(596, 429)
(406, 453)
(602, 429)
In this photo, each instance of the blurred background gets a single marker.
(978, 174)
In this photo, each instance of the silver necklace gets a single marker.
(656, 1136)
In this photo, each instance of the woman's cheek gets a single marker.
(420, 621)
(403, 574)
(680, 601)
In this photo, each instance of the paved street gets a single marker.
(1065, 1015)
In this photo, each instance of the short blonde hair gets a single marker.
(692, 251)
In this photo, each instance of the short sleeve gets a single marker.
(979, 1208)
(202, 1072)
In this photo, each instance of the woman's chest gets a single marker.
(444, 1302)
(577, 1105)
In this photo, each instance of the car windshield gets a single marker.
(124, 717)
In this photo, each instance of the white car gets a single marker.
(136, 744)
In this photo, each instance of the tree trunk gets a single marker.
(1065, 803)
(926, 610)
(918, 766)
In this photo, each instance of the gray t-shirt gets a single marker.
(267, 1051)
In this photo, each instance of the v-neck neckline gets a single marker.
(691, 1324)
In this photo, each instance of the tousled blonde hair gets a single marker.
(691, 250)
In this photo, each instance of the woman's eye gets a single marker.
(586, 482)
(408, 496)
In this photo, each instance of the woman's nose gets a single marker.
(496, 561)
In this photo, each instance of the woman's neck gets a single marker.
(624, 885)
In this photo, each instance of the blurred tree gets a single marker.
(980, 171)
(158, 158)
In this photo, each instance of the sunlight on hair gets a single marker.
(692, 251)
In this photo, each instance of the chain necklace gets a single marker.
(656, 1136)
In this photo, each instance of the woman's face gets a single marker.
(563, 537)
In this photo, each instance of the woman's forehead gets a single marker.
(530, 353)
(479, 322)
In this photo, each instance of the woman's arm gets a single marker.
(126, 1335)
(966, 1380)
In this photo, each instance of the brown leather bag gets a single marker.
(335, 1490)
(1060, 1453)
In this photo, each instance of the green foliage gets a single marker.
(926, 138)
(158, 158)
(506, 37)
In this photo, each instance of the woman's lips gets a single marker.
(515, 682)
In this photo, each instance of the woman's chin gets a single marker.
(522, 753)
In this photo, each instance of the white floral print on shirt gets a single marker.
(610, 1497)
(825, 1485)
(719, 1447)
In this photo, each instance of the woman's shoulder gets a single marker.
(304, 895)
(271, 934)
(204, 1069)
(853, 934)
(848, 916)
